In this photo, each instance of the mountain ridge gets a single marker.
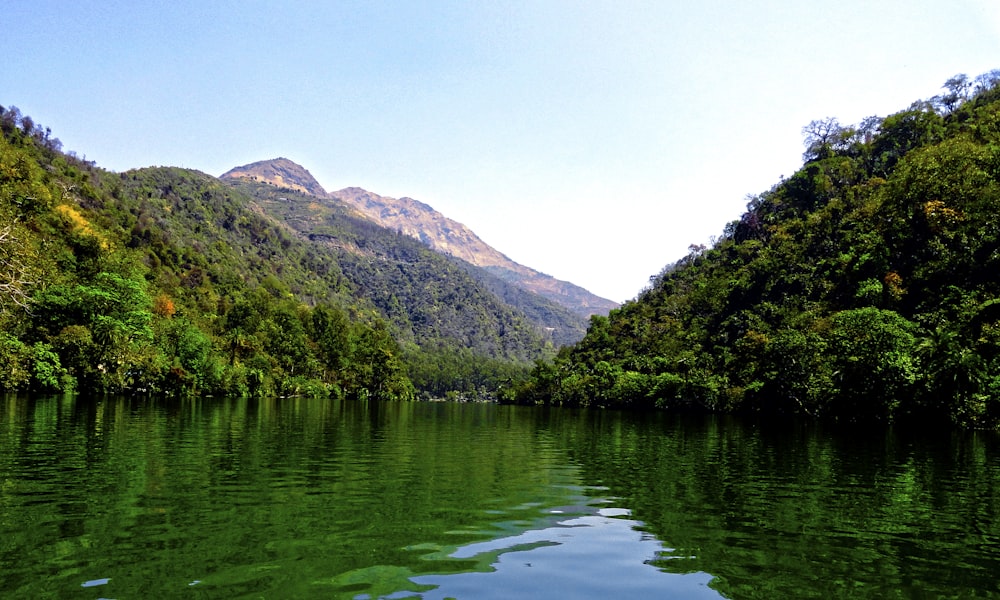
(420, 221)
(390, 265)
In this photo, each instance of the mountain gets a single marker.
(863, 288)
(279, 172)
(425, 293)
(170, 281)
(419, 221)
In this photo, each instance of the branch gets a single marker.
(13, 273)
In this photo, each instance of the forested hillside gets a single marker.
(559, 308)
(427, 295)
(167, 280)
(865, 287)
(418, 220)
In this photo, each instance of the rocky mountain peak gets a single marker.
(279, 172)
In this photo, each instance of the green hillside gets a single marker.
(291, 194)
(427, 295)
(865, 287)
(168, 280)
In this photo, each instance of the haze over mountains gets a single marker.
(420, 221)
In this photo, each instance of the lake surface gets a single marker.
(289, 498)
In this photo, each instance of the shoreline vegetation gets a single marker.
(169, 281)
(863, 288)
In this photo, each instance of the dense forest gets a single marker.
(865, 287)
(419, 290)
(167, 280)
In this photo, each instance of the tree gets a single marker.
(285, 340)
(794, 373)
(100, 327)
(15, 276)
(10, 120)
(987, 81)
(15, 370)
(823, 137)
(873, 352)
(331, 333)
(917, 126)
(959, 89)
(376, 369)
(242, 322)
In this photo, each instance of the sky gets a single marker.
(591, 140)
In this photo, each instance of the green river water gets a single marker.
(294, 498)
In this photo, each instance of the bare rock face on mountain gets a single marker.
(279, 172)
(418, 220)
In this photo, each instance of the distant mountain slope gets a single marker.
(418, 220)
(420, 290)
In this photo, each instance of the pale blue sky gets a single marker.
(593, 141)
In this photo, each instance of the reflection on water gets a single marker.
(124, 498)
(801, 510)
(592, 556)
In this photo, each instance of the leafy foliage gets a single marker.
(169, 280)
(862, 287)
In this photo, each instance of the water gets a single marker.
(137, 498)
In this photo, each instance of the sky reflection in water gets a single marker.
(601, 555)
